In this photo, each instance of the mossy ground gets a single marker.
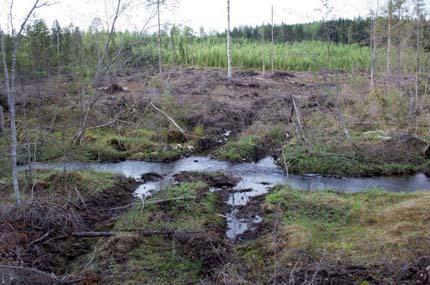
(108, 145)
(343, 161)
(244, 149)
(52, 183)
(162, 259)
(368, 229)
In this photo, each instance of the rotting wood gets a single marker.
(156, 202)
(168, 117)
(28, 275)
(300, 127)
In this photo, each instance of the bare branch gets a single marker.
(168, 117)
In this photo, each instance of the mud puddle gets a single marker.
(255, 179)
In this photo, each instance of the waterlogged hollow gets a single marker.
(256, 180)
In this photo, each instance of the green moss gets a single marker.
(324, 161)
(348, 224)
(105, 146)
(160, 260)
(197, 207)
(87, 182)
(160, 264)
(245, 149)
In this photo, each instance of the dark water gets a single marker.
(257, 177)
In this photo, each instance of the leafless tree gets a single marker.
(271, 48)
(389, 28)
(399, 7)
(2, 129)
(160, 63)
(229, 70)
(418, 10)
(10, 84)
(106, 63)
(104, 67)
(374, 44)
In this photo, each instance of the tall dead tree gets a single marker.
(160, 62)
(2, 129)
(10, 87)
(374, 45)
(105, 64)
(399, 8)
(229, 69)
(418, 9)
(389, 28)
(272, 56)
(263, 54)
(107, 61)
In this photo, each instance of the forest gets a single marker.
(272, 153)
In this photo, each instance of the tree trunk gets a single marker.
(263, 54)
(160, 63)
(271, 48)
(418, 46)
(399, 43)
(390, 19)
(11, 91)
(374, 46)
(229, 70)
(2, 129)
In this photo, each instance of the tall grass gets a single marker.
(296, 56)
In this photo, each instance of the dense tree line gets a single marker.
(339, 31)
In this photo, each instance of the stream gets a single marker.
(256, 178)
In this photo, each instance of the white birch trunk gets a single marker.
(2, 129)
(160, 63)
(418, 46)
(229, 69)
(399, 45)
(374, 46)
(11, 91)
(271, 48)
(390, 19)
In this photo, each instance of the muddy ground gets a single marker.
(243, 119)
(183, 242)
(49, 231)
(104, 236)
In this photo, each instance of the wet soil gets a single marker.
(40, 234)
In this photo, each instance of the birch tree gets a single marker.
(399, 7)
(271, 47)
(374, 44)
(418, 10)
(160, 63)
(9, 82)
(158, 6)
(106, 61)
(2, 129)
(229, 69)
(389, 28)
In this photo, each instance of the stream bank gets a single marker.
(218, 222)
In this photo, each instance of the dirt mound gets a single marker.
(219, 117)
(246, 73)
(208, 247)
(151, 177)
(218, 180)
(22, 275)
(310, 271)
(38, 234)
(282, 74)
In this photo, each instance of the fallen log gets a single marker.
(140, 232)
(168, 117)
(27, 275)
